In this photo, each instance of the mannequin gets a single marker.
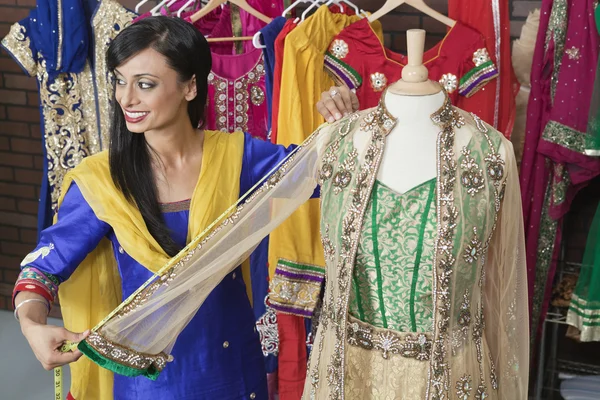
(409, 158)
(422, 232)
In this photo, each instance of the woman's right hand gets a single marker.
(46, 341)
(337, 102)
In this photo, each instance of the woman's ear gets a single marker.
(191, 89)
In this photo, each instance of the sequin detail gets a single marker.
(480, 57)
(472, 176)
(126, 356)
(449, 82)
(267, 331)
(235, 96)
(464, 387)
(573, 53)
(388, 342)
(339, 48)
(378, 81)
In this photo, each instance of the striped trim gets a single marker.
(585, 316)
(177, 206)
(476, 78)
(33, 276)
(295, 288)
(341, 71)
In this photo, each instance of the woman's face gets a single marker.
(150, 94)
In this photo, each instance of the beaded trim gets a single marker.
(342, 72)
(476, 78)
(295, 288)
(389, 342)
(125, 356)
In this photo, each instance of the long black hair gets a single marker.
(187, 52)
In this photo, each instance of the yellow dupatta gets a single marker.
(94, 289)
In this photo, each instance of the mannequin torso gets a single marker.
(409, 158)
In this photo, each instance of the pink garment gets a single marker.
(216, 23)
(554, 166)
(236, 94)
(251, 24)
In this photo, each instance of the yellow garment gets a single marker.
(303, 80)
(94, 289)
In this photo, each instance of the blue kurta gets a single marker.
(218, 355)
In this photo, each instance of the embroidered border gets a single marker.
(295, 288)
(477, 78)
(378, 122)
(17, 44)
(408, 345)
(342, 72)
(153, 364)
(447, 118)
(33, 276)
(565, 136)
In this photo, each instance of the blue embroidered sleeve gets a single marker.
(260, 157)
(20, 46)
(64, 245)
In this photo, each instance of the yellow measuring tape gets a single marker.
(58, 383)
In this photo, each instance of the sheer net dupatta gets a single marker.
(137, 337)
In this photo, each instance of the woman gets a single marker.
(127, 211)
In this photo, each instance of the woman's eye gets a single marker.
(145, 85)
(120, 82)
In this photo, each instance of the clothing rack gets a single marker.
(552, 367)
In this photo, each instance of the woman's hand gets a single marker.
(336, 103)
(46, 340)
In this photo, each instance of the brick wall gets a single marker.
(20, 141)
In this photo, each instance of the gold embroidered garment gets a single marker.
(75, 107)
(478, 347)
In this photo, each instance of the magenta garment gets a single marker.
(216, 23)
(236, 94)
(251, 25)
(554, 166)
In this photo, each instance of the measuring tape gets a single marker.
(58, 383)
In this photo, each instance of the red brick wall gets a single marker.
(20, 141)
(20, 157)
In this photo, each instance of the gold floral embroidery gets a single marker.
(110, 19)
(378, 81)
(339, 48)
(472, 176)
(417, 345)
(72, 128)
(257, 95)
(449, 82)
(231, 98)
(474, 249)
(295, 288)
(18, 44)
(344, 176)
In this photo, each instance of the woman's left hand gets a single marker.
(336, 103)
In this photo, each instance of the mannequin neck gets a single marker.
(410, 110)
